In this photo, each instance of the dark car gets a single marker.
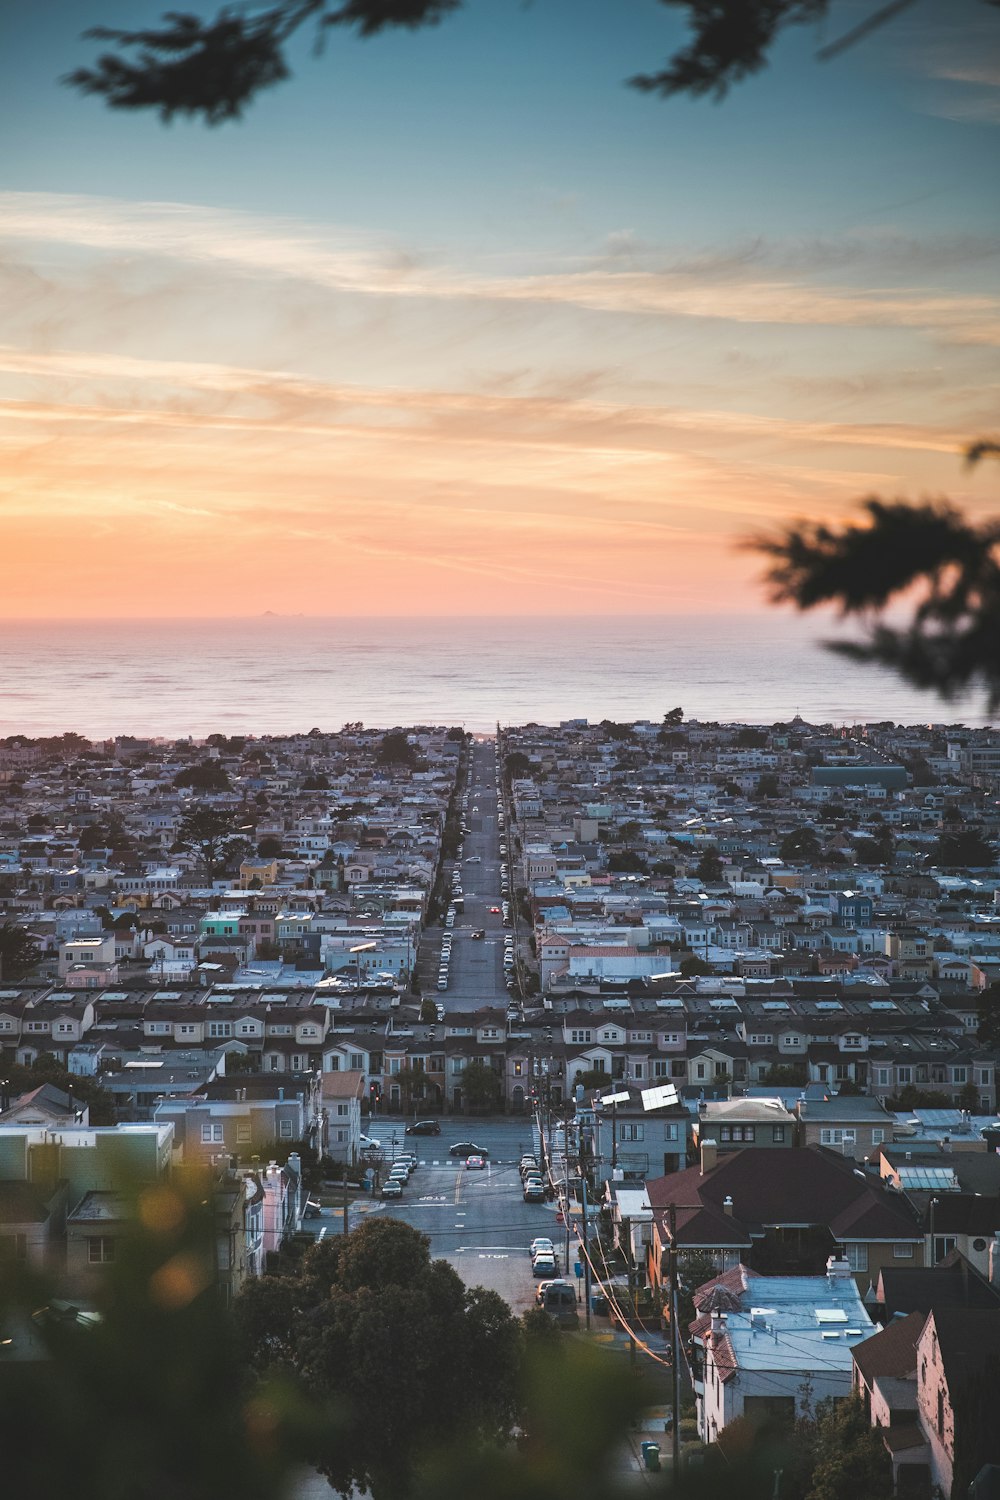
(423, 1127)
(467, 1148)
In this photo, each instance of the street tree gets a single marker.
(988, 1030)
(19, 953)
(395, 749)
(709, 867)
(801, 843)
(212, 835)
(850, 1458)
(393, 1343)
(481, 1088)
(964, 847)
(207, 776)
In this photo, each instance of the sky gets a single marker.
(457, 323)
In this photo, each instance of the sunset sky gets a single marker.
(456, 322)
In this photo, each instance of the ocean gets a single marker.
(275, 674)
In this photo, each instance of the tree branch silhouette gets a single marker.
(215, 67)
(952, 640)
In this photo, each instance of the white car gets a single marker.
(541, 1243)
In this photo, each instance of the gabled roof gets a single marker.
(771, 1186)
(893, 1351)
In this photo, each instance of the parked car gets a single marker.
(423, 1127)
(467, 1148)
(544, 1265)
(541, 1242)
(533, 1192)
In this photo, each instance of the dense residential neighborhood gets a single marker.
(739, 985)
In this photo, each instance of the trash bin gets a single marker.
(599, 1304)
(651, 1456)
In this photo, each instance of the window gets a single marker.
(857, 1257)
(822, 1073)
(830, 1136)
(629, 1132)
(882, 1077)
(187, 1030)
(902, 1252)
(333, 1065)
(699, 1070)
(761, 1038)
(904, 1075)
(101, 1250)
(778, 1134)
(242, 1132)
(285, 1130)
(580, 1036)
(342, 1135)
(878, 1135)
(670, 1131)
(342, 1110)
(211, 1134)
(518, 1067)
(959, 1075)
(395, 1066)
(357, 1062)
(638, 1071)
(220, 1028)
(661, 1068)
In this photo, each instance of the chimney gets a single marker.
(709, 1156)
(281, 1096)
(727, 1206)
(837, 1266)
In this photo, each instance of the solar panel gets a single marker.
(659, 1097)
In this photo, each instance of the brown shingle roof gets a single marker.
(891, 1352)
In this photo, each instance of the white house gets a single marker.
(774, 1346)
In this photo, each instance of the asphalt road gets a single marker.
(476, 1220)
(476, 973)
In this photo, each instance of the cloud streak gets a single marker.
(347, 262)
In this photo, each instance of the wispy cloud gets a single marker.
(349, 262)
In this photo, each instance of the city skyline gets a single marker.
(457, 323)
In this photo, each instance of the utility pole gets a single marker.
(675, 1435)
(586, 1248)
(346, 1215)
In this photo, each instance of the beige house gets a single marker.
(855, 1125)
